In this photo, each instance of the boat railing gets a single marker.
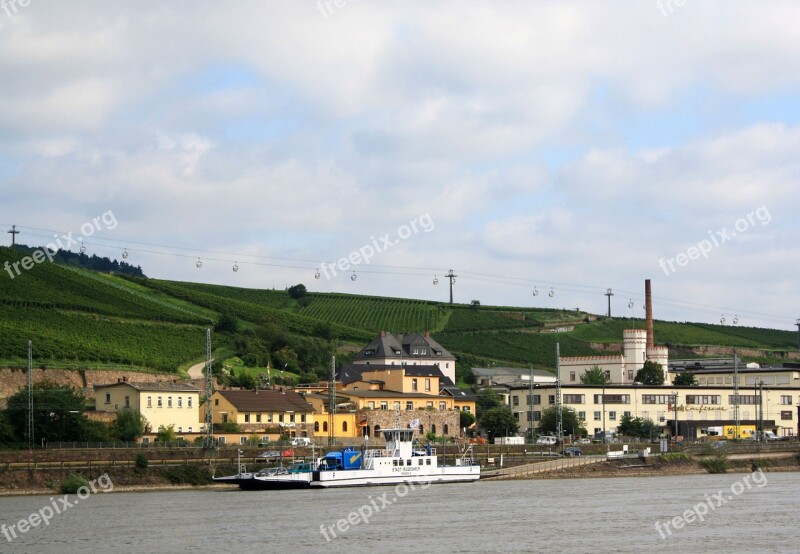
(378, 453)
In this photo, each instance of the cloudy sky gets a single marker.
(564, 146)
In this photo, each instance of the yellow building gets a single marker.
(264, 411)
(162, 404)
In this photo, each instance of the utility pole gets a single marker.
(209, 420)
(530, 404)
(332, 403)
(761, 410)
(30, 396)
(798, 332)
(675, 410)
(13, 232)
(609, 294)
(736, 394)
(450, 275)
(559, 415)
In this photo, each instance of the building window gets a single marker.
(572, 377)
(446, 429)
(551, 398)
(786, 415)
(324, 426)
(396, 406)
(786, 400)
(534, 399)
(442, 406)
(433, 429)
(258, 418)
(247, 418)
(384, 405)
(413, 385)
(180, 402)
(749, 399)
(344, 427)
(169, 402)
(189, 402)
(427, 385)
(159, 402)
(703, 399)
(612, 416)
(216, 402)
(656, 398)
(190, 429)
(149, 401)
(371, 404)
(598, 416)
(316, 426)
(533, 416)
(291, 418)
(574, 398)
(409, 405)
(269, 418)
(429, 404)
(108, 398)
(180, 430)
(515, 400)
(582, 416)
(612, 399)
(302, 418)
(280, 418)
(630, 375)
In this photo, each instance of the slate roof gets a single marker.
(395, 345)
(266, 401)
(164, 386)
(351, 373)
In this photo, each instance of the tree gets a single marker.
(637, 427)
(651, 374)
(7, 436)
(166, 434)
(570, 422)
(57, 413)
(227, 323)
(499, 422)
(594, 376)
(129, 425)
(686, 379)
(297, 291)
(465, 419)
(487, 399)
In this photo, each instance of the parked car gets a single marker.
(584, 441)
(571, 451)
(301, 441)
(546, 439)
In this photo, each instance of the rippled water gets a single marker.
(576, 515)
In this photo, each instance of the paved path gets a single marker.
(541, 467)
(196, 371)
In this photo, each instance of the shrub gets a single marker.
(72, 483)
(717, 464)
(141, 462)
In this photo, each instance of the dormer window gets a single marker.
(369, 352)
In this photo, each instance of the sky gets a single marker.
(543, 151)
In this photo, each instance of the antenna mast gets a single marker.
(450, 275)
(559, 415)
(13, 232)
(332, 402)
(209, 392)
(30, 395)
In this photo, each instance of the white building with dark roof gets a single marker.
(408, 349)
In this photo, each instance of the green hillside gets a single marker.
(78, 318)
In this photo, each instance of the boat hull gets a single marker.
(366, 477)
(277, 482)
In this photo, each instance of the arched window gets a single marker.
(316, 426)
(421, 429)
(433, 429)
(324, 426)
(377, 429)
(446, 429)
(344, 427)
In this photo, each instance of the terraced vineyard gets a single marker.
(538, 349)
(377, 314)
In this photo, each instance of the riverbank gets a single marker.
(658, 466)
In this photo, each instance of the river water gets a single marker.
(560, 515)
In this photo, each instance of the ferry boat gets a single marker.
(399, 462)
